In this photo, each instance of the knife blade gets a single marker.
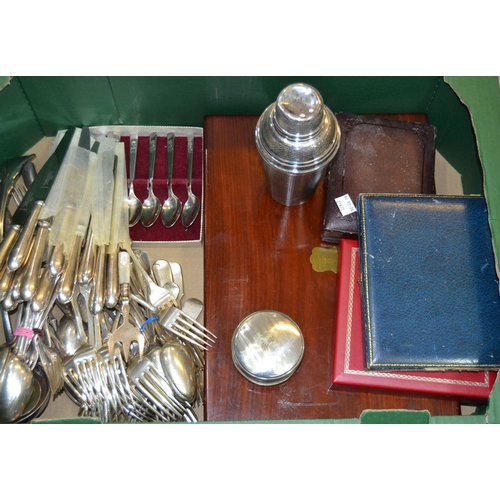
(37, 192)
(9, 172)
(40, 188)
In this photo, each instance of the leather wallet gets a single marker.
(429, 288)
(376, 155)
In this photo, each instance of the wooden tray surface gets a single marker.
(257, 257)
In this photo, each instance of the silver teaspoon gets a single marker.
(172, 206)
(151, 206)
(192, 205)
(134, 204)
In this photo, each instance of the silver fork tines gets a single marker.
(179, 323)
(153, 391)
(82, 373)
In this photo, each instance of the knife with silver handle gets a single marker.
(97, 292)
(57, 257)
(5, 282)
(81, 221)
(44, 291)
(68, 280)
(20, 250)
(8, 242)
(112, 285)
(86, 266)
(13, 295)
(118, 206)
(31, 276)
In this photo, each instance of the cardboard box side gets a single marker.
(455, 136)
(59, 101)
(481, 95)
(51, 103)
(19, 128)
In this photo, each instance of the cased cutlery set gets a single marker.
(82, 310)
(151, 208)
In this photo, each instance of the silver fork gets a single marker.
(153, 391)
(121, 402)
(157, 296)
(81, 372)
(51, 363)
(177, 322)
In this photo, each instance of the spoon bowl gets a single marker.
(40, 397)
(172, 206)
(16, 386)
(134, 207)
(191, 209)
(67, 335)
(170, 210)
(180, 370)
(150, 208)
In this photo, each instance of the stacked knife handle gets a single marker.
(59, 256)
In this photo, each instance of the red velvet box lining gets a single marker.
(158, 232)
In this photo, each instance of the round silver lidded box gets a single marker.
(297, 138)
(267, 347)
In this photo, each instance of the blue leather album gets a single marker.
(429, 287)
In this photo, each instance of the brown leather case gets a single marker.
(377, 155)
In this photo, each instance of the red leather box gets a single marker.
(348, 356)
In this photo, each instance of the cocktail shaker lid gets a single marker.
(298, 132)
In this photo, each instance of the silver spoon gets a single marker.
(69, 340)
(162, 272)
(151, 206)
(180, 370)
(16, 385)
(171, 209)
(134, 204)
(192, 205)
(163, 277)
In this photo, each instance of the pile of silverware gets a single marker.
(92, 316)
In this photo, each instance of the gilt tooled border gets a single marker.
(400, 376)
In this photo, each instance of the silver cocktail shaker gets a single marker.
(297, 138)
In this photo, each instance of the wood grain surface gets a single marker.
(257, 257)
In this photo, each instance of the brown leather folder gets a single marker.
(376, 155)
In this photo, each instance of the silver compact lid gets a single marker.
(267, 347)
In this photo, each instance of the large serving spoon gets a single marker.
(172, 206)
(192, 206)
(134, 204)
(151, 207)
(16, 385)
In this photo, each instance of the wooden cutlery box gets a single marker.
(158, 233)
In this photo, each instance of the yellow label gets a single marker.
(324, 259)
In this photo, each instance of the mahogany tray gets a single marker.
(257, 257)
